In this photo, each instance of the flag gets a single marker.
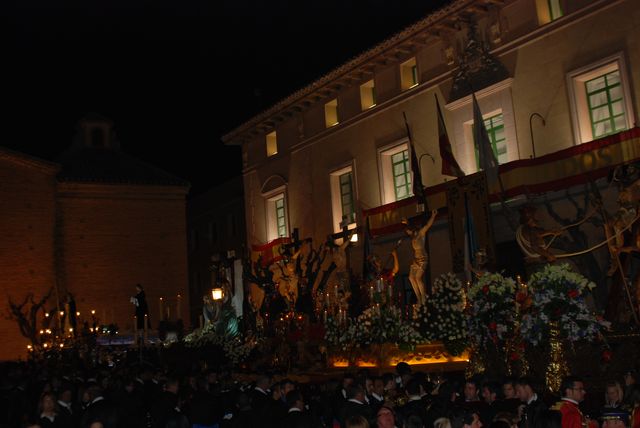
(367, 273)
(449, 164)
(487, 158)
(416, 175)
(470, 239)
(270, 252)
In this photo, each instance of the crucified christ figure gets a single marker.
(420, 257)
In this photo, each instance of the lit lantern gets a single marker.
(354, 237)
(216, 294)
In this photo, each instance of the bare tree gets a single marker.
(26, 315)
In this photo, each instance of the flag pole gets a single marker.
(417, 184)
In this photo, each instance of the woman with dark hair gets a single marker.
(48, 411)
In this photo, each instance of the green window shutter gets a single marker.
(346, 197)
(605, 99)
(497, 138)
(401, 175)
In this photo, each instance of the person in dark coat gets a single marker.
(355, 405)
(296, 417)
(99, 410)
(142, 309)
(533, 404)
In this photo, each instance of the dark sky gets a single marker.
(173, 75)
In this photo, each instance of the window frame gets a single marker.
(385, 168)
(491, 133)
(271, 143)
(577, 93)
(272, 227)
(331, 116)
(337, 206)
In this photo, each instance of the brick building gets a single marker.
(94, 224)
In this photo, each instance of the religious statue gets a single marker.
(479, 267)
(339, 259)
(288, 278)
(531, 237)
(623, 237)
(210, 311)
(420, 257)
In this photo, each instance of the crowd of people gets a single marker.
(122, 395)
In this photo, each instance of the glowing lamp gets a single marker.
(62, 345)
(216, 294)
(354, 238)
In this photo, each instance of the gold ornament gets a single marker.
(557, 367)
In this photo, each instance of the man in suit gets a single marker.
(99, 410)
(355, 405)
(532, 404)
(296, 417)
(415, 404)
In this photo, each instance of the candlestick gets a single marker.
(135, 329)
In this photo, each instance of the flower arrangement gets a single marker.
(379, 324)
(558, 299)
(442, 318)
(235, 347)
(491, 310)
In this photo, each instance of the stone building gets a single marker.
(95, 223)
(556, 82)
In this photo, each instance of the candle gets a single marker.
(178, 309)
(324, 316)
(135, 329)
(161, 307)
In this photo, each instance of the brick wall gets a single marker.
(115, 236)
(27, 216)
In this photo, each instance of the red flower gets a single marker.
(521, 296)
(492, 325)
(573, 293)
(514, 356)
(485, 289)
(606, 355)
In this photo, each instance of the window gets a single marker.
(549, 10)
(408, 74)
(343, 197)
(272, 144)
(368, 95)
(277, 215)
(495, 130)
(331, 113)
(600, 99)
(555, 9)
(606, 104)
(401, 174)
(395, 170)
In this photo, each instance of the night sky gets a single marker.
(161, 69)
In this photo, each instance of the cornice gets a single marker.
(363, 64)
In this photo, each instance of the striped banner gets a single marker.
(270, 252)
(559, 170)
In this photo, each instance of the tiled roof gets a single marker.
(92, 165)
(452, 9)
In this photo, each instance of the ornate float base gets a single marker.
(388, 355)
